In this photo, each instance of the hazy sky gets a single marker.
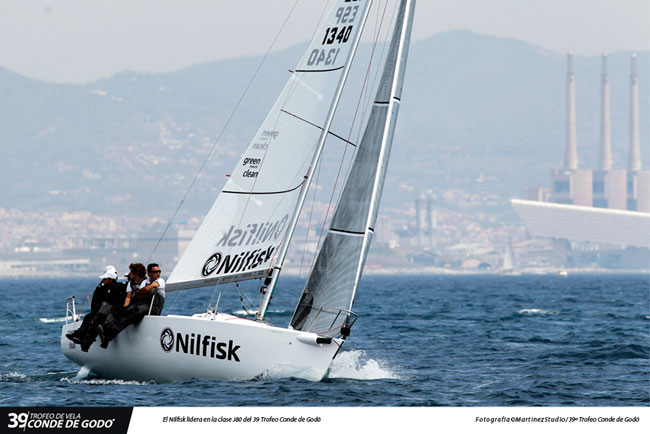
(83, 40)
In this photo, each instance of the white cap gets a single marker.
(109, 273)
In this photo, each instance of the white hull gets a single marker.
(175, 348)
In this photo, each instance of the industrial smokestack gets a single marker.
(571, 149)
(419, 224)
(634, 161)
(605, 130)
(431, 222)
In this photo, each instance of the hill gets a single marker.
(479, 113)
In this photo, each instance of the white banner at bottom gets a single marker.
(382, 419)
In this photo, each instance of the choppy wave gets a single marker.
(17, 377)
(536, 312)
(356, 365)
(14, 377)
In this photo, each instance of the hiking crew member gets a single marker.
(148, 299)
(108, 294)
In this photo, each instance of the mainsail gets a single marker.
(333, 282)
(250, 220)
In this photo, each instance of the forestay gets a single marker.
(248, 222)
(332, 284)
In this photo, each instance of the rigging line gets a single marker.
(365, 104)
(356, 111)
(343, 139)
(175, 300)
(232, 114)
(311, 212)
(369, 96)
(313, 35)
(212, 297)
(241, 299)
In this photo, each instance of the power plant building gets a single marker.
(605, 205)
(605, 187)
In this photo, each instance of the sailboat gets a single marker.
(510, 261)
(246, 233)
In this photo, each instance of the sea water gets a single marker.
(460, 340)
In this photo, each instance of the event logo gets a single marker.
(167, 340)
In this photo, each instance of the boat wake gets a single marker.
(84, 376)
(62, 319)
(104, 382)
(355, 365)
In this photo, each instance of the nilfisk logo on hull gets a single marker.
(167, 340)
(198, 345)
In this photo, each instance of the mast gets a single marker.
(267, 290)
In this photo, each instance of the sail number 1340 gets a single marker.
(339, 35)
(332, 35)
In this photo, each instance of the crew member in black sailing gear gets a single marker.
(136, 276)
(108, 293)
(149, 299)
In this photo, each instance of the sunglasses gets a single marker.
(155, 271)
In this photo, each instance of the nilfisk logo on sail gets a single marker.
(198, 345)
(236, 263)
(254, 233)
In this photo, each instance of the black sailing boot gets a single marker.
(103, 335)
(78, 336)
